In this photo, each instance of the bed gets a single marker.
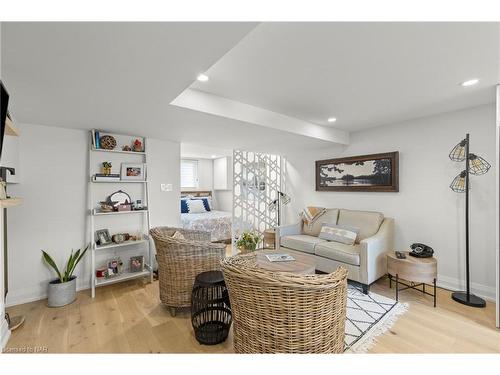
(218, 223)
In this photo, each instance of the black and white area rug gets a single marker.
(368, 316)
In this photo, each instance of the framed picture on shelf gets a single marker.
(133, 172)
(114, 267)
(102, 237)
(137, 263)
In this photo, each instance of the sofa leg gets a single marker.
(365, 288)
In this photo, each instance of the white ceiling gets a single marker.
(122, 76)
(365, 74)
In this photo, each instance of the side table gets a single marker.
(269, 239)
(418, 271)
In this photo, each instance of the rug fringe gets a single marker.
(370, 338)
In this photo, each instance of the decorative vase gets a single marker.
(61, 294)
(106, 170)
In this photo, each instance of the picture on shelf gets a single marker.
(114, 267)
(133, 172)
(102, 236)
(137, 263)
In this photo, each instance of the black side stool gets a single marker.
(210, 308)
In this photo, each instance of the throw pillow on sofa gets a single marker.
(339, 233)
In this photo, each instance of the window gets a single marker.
(189, 173)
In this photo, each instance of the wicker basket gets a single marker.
(179, 261)
(280, 312)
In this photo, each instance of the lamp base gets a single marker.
(473, 301)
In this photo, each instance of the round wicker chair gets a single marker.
(279, 312)
(179, 261)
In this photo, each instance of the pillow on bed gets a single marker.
(184, 206)
(207, 202)
(196, 206)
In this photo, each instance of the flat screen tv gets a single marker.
(4, 103)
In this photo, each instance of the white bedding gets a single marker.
(218, 223)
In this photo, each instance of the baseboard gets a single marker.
(4, 334)
(451, 283)
(36, 294)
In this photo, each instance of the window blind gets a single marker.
(189, 173)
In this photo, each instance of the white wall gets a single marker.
(54, 214)
(425, 209)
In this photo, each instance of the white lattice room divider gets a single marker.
(257, 178)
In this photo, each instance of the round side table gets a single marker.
(210, 308)
(418, 271)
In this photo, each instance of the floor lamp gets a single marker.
(281, 199)
(475, 165)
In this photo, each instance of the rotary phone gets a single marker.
(419, 250)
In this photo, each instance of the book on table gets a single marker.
(280, 257)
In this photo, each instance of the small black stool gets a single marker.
(210, 308)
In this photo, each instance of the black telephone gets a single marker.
(419, 250)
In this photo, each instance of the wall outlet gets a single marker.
(166, 187)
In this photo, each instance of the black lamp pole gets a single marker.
(466, 297)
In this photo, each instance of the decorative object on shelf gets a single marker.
(62, 291)
(137, 263)
(101, 272)
(107, 142)
(138, 145)
(133, 172)
(248, 241)
(126, 148)
(127, 206)
(376, 172)
(475, 165)
(114, 267)
(106, 168)
(103, 237)
(275, 205)
(138, 204)
(119, 237)
(99, 177)
(120, 197)
(210, 308)
(95, 139)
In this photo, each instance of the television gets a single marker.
(4, 103)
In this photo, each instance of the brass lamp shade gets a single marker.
(458, 152)
(458, 183)
(477, 165)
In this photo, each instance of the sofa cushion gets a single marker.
(330, 216)
(301, 242)
(339, 233)
(368, 222)
(340, 252)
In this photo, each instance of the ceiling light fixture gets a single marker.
(202, 78)
(470, 82)
(214, 156)
(332, 119)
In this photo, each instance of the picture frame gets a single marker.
(114, 267)
(137, 263)
(133, 172)
(103, 237)
(364, 173)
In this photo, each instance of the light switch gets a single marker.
(166, 187)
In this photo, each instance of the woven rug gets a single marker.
(368, 316)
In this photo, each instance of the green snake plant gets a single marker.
(73, 260)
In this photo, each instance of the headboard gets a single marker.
(198, 194)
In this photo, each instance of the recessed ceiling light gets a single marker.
(214, 156)
(470, 82)
(202, 78)
(332, 119)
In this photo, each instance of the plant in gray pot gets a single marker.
(62, 291)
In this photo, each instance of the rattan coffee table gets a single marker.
(418, 271)
(303, 264)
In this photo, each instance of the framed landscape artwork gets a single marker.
(376, 172)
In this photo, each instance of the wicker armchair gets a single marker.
(279, 312)
(179, 261)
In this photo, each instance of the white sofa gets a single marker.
(365, 261)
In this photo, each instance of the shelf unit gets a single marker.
(95, 157)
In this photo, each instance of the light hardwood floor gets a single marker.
(127, 317)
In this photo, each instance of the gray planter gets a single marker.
(61, 294)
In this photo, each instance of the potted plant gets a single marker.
(62, 291)
(248, 241)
